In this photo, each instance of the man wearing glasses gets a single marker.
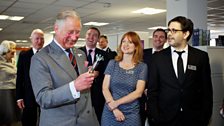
(180, 87)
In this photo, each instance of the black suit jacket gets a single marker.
(147, 57)
(96, 89)
(166, 96)
(111, 54)
(23, 84)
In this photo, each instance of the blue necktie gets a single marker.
(89, 58)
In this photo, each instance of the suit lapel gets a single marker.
(59, 56)
(80, 60)
(190, 62)
(170, 64)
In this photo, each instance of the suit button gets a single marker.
(88, 111)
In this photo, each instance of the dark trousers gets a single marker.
(29, 116)
(181, 120)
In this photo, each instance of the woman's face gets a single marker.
(10, 54)
(127, 47)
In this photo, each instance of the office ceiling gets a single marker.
(41, 14)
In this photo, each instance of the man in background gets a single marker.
(159, 39)
(103, 44)
(92, 37)
(24, 92)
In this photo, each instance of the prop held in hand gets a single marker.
(96, 63)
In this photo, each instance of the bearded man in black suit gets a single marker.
(180, 88)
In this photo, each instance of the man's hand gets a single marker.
(96, 73)
(20, 104)
(84, 81)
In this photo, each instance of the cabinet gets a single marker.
(216, 57)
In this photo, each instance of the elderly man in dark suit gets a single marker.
(180, 87)
(60, 79)
(159, 38)
(24, 92)
(92, 37)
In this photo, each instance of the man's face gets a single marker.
(159, 39)
(92, 37)
(176, 38)
(37, 40)
(103, 43)
(68, 32)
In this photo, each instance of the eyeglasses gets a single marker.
(173, 31)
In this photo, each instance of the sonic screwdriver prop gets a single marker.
(96, 63)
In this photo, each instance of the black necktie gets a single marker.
(180, 67)
(89, 58)
(73, 60)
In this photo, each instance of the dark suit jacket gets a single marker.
(166, 96)
(23, 84)
(96, 89)
(147, 57)
(111, 54)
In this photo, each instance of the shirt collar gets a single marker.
(56, 42)
(34, 50)
(87, 49)
(185, 49)
(105, 49)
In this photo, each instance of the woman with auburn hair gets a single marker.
(124, 83)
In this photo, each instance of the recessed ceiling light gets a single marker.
(215, 31)
(96, 23)
(1, 29)
(4, 17)
(156, 27)
(23, 41)
(15, 18)
(149, 11)
(18, 40)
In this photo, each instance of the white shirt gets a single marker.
(34, 50)
(175, 57)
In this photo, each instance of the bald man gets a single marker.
(24, 92)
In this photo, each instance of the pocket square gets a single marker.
(192, 67)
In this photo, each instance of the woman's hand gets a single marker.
(118, 115)
(112, 105)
